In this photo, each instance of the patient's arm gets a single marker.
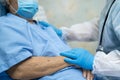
(35, 67)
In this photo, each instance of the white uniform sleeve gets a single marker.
(107, 64)
(87, 31)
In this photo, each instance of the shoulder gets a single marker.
(12, 22)
(116, 6)
(5, 20)
(4, 23)
(12, 28)
(115, 11)
(117, 1)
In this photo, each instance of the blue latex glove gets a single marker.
(80, 57)
(58, 31)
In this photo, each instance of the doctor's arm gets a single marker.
(86, 31)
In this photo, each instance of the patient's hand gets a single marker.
(88, 75)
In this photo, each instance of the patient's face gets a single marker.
(13, 5)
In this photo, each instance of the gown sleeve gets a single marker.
(14, 45)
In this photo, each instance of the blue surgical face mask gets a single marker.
(27, 8)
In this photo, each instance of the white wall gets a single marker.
(68, 12)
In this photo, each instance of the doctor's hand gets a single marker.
(58, 31)
(80, 57)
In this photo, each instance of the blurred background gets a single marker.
(69, 12)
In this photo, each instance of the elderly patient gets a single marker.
(29, 49)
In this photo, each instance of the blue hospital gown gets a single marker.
(20, 40)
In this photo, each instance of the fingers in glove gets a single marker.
(68, 55)
(70, 61)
